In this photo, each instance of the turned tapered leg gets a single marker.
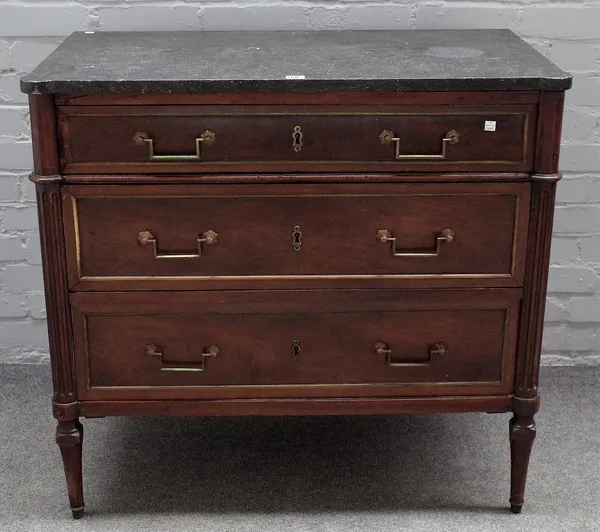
(69, 436)
(522, 434)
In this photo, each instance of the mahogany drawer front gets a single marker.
(304, 138)
(286, 236)
(324, 343)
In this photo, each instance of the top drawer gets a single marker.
(295, 138)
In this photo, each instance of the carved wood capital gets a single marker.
(34, 178)
(69, 433)
(547, 178)
(526, 407)
(65, 411)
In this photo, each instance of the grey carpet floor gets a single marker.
(369, 474)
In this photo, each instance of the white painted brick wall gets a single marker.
(566, 31)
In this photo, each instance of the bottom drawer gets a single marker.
(294, 344)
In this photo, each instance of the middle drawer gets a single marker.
(284, 236)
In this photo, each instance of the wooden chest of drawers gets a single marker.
(340, 240)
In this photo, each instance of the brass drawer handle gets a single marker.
(382, 349)
(207, 138)
(447, 235)
(212, 351)
(146, 238)
(387, 137)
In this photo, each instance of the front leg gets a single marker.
(522, 435)
(69, 436)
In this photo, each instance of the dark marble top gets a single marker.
(423, 60)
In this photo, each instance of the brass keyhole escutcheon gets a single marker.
(296, 349)
(297, 136)
(297, 238)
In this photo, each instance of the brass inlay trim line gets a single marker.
(303, 385)
(425, 384)
(74, 207)
(510, 275)
(86, 347)
(490, 112)
(330, 162)
(504, 344)
(525, 137)
(513, 260)
(297, 277)
(333, 113)
(331, 195)
(502, 306)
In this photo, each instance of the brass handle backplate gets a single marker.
(212, 351)
(451, 137)
(146, 238)
(447, 235)
(383, 349)
(207, 138)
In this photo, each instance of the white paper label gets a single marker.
(295, 77)
(490, 125)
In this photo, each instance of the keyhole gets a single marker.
(296, 350)
(297, 238)
(297, 138)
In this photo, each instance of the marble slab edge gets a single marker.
(380, 85)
